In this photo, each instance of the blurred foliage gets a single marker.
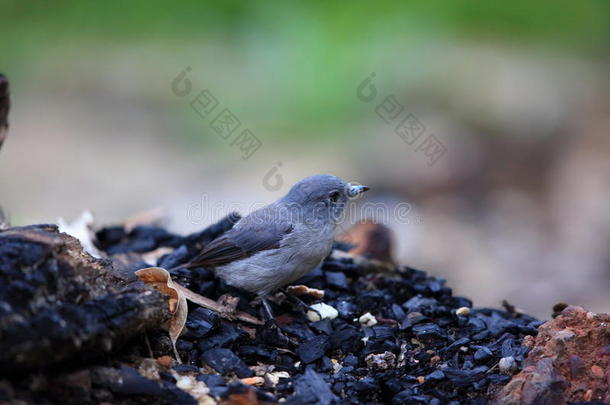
(309, 55)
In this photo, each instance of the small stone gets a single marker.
(324, 311)
(507, 365)
(274, 378)
(381, 361)
(185, 383)
(463, 311)
(367, 320)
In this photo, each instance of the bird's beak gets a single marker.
(354, 190)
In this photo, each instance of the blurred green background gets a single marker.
(517, 92)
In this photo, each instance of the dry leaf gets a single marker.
(224, 312)
(161, 280)
(300, 290)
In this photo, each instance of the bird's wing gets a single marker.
(255, 233)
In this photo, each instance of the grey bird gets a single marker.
(278, 244)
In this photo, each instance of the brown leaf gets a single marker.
(224, 311)
(162, 281)
(300, 290)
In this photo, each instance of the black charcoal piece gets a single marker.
(201, 321)
(346, 338)
(482, 354)
(186, 368)
(126, 380)
(225, 335)
(310, 388)
(326, 365)
(476, 324)
(109, 236)
(313, 349)
(380, 332)
(370, 300)
(398, 313)
(481, 335)
(457, 344)
(498, 378)
(350, 360)
(435, 376)
(225, 361)
(420, 304)
(257, 352)
(346, 309)
(428, 330)
(458, 302)
(464, 378)
(184, 345)
(298, 328)
(324, 326)
(366, 384)
(211, 379)
(310, 277)
(177, 257)
(336, 279)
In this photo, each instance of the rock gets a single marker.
(321, 311)
(462, 311)
(563, 364)
(367, 320)
(381, 361)
(507, 365)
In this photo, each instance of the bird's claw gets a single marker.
(228, 306)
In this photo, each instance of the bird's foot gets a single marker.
(272, 332)
(228, 306)
(298, 303)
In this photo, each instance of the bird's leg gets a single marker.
(267, 312)
(296, 301)
(272, 331)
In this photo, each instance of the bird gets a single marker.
(281, 242)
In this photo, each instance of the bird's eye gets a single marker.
(334, 196)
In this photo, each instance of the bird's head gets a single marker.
(322, 197)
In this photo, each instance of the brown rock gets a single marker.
(567, 362)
